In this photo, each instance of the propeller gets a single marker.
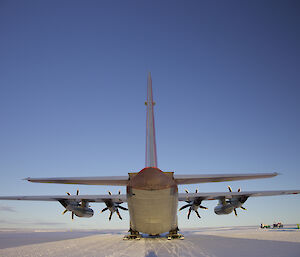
(114, 207)
(73, 202)
(194, 205)
(237, 202)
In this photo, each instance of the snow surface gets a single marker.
(231, 242)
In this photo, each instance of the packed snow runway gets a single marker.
(234, 241)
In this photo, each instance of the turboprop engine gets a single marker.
(79, 208)
(194, 205)
(80, 211)
(114, 207)
(222, 208)
(227, 206)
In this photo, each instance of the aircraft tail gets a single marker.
(151, 157)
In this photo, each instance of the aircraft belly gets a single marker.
(153, 211)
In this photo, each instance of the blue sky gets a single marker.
(73, 85)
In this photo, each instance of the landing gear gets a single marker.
(133, 235)
(173, 234)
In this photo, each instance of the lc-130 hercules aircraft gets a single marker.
(152, 195)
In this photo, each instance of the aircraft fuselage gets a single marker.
(152, 201)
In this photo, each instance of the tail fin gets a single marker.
(151, 157)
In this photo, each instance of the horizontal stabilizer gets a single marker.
(206, 178)
(110, 181)
(179, 179)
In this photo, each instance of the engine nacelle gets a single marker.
(83, 212)
(221, 209)
(236, 202)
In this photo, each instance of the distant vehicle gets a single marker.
(264, 226)
(277, 225)
(152, 195)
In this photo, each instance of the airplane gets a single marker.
(151, 194)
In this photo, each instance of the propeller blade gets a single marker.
(72, 215)
(186, 191)
(105, 209)
(198, 214)
(189, 213)
(243, 208)
(123, 208)
(117, 211)
(110, 216)
(68, 193)
(64, 211)
(77, 192)
(229, 188)
(196, 190)
(203, 207)
(109, 193)
(119, 192)
(185, 206)
(239, 190)
(235, 213)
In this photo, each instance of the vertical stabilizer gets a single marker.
(151, 158)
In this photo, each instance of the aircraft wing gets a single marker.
(229, 195)
(205, 178)
(88, 198)
(108, 180)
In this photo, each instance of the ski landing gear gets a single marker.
(173, 234)
(133, 235)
